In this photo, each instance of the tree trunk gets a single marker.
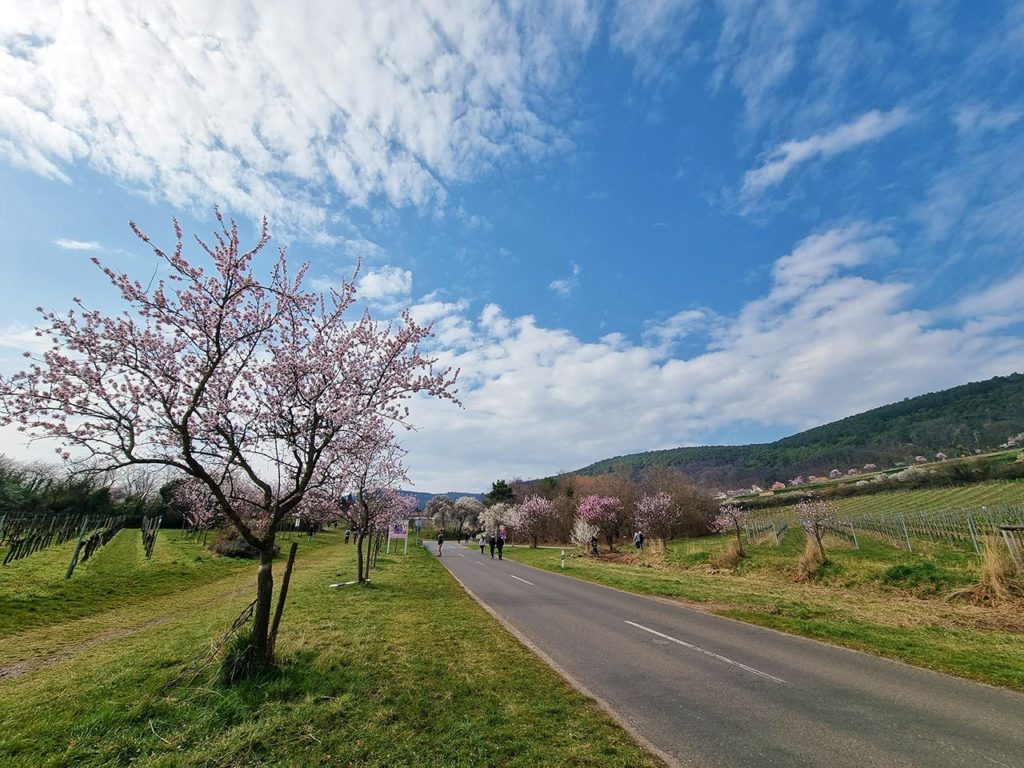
(264, 595)
(359, 556)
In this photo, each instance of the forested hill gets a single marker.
(957, 421)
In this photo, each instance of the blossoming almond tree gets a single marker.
(466, 511)
(656, 514)
(604, 512)
(815, 516)
(730, 519)
(374, 474)
(531, 517)
(219, 373)
(200, 509)
(495, 516)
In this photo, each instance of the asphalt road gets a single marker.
(709, 691)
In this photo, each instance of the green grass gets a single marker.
(34, 592)
(407, 671)
(878, 599)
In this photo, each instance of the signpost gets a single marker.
(399, 529)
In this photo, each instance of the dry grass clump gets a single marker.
(810, 563)
(998, 579)
(728, 557)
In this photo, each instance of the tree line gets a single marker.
(571, 508)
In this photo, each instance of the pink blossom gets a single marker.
(532, 517)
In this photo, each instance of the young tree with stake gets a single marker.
(219, 373)
(815, 515)
(730, 519)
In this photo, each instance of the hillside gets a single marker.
(958, 421)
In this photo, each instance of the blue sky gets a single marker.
(634, 225)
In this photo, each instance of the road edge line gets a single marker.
(603, 705)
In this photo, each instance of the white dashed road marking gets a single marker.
(712, 654)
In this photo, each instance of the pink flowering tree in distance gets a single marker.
(220, 373)
(375, 472)
(199, 507)
(603, 512)
(656, 515)
(532, 517)
(731, 519)
(815, 515)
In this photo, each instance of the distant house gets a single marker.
(778, 486)
(756, 489)
(853, 471)
(870, 467)
(834, 474)
(940, 456)
(798, 480)
(920, 459)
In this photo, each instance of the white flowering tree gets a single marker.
(465, 511)
(731, 519)
(495, 516)
(815, 515)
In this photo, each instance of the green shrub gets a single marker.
(229, 543)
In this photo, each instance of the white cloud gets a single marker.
(978, 118)
(683, 323)
(566, 285)
(652, 32)
(386, 284)
(871, 126)
(822, 342)
(277, 108)
(1004, 299)
(22, 338)
(758, 47)
(78, 245)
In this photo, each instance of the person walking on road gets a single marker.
(440, 541)
(491, 541)
(637, 539)
(501, 545)
(483, 541)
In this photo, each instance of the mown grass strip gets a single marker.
(408, 671)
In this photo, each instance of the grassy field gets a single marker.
(408, 671)
(878, 599)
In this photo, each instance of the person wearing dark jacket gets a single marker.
(501, 545)
(491, 541)
(440, 541)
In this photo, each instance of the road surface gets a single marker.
(709, 691)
